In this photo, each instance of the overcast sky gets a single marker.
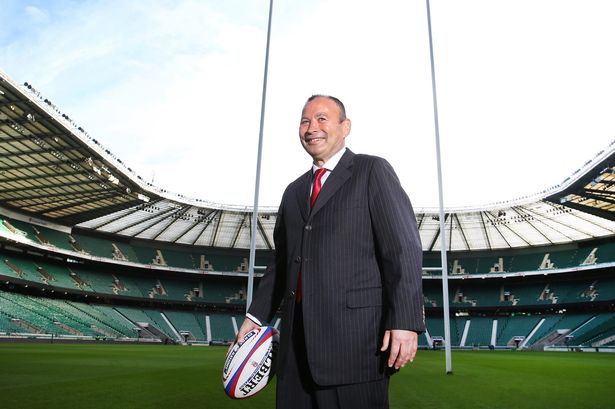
(526, 89)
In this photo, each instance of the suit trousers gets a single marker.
(297, 389)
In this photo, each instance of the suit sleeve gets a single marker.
(399, 249)
(270, 291)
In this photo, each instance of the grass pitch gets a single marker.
(147, 376)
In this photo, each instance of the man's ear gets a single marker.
(346, 125)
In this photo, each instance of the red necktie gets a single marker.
(317, 185)
(315, 192)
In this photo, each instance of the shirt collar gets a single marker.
(331, 163)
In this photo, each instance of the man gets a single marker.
(347, 272)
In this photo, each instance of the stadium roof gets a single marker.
(51, 170)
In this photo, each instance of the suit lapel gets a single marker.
(335, 181)
(302, 194)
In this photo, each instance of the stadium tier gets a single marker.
(28, 315)
(527, 260)
(549, 291)
(118, 250)
(68, 276)
(161, 293)
(522, 260)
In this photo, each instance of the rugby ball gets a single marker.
(250, 364)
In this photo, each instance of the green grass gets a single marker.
(146, 376)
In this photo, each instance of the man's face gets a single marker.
(321, 131)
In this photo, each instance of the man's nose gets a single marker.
(313, 126)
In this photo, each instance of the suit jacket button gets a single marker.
(291, 294)
(308, 227)
(298, 259)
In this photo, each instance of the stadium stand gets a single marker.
(478, 331)
(190, 325)
(222, 327)
(596, 329)
(140, 263)
(515, 329)
(149, 322)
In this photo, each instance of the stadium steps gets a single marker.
(68, 329)
(60, 316)
(140, 324)
(78, 311)
(578, 333)
(29, 328)
(603, 326)
(113, 318)
(555, 328)
(147, 322)
(173, 330)
(187, 322)
(517, 326)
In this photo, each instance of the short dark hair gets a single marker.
(339, 104)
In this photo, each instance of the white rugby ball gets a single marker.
(250, 364)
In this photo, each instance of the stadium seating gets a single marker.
(435, 326)
(150, 321)
(515, 327)
(520, 292)
(105, 248)
(197, 289)
(31, 317)
(527, 260)
(600, 327)
(519, 260)
(559, 322)
(7, 325)
(222, 327)
(27, 314)
(124, 273)
(190, 322)
(479, 331)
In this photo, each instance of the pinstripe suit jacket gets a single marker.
(360, 258)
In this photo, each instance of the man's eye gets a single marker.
(322, 119)
(304, 122)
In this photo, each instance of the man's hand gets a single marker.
(403, 346)
(247, 326)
